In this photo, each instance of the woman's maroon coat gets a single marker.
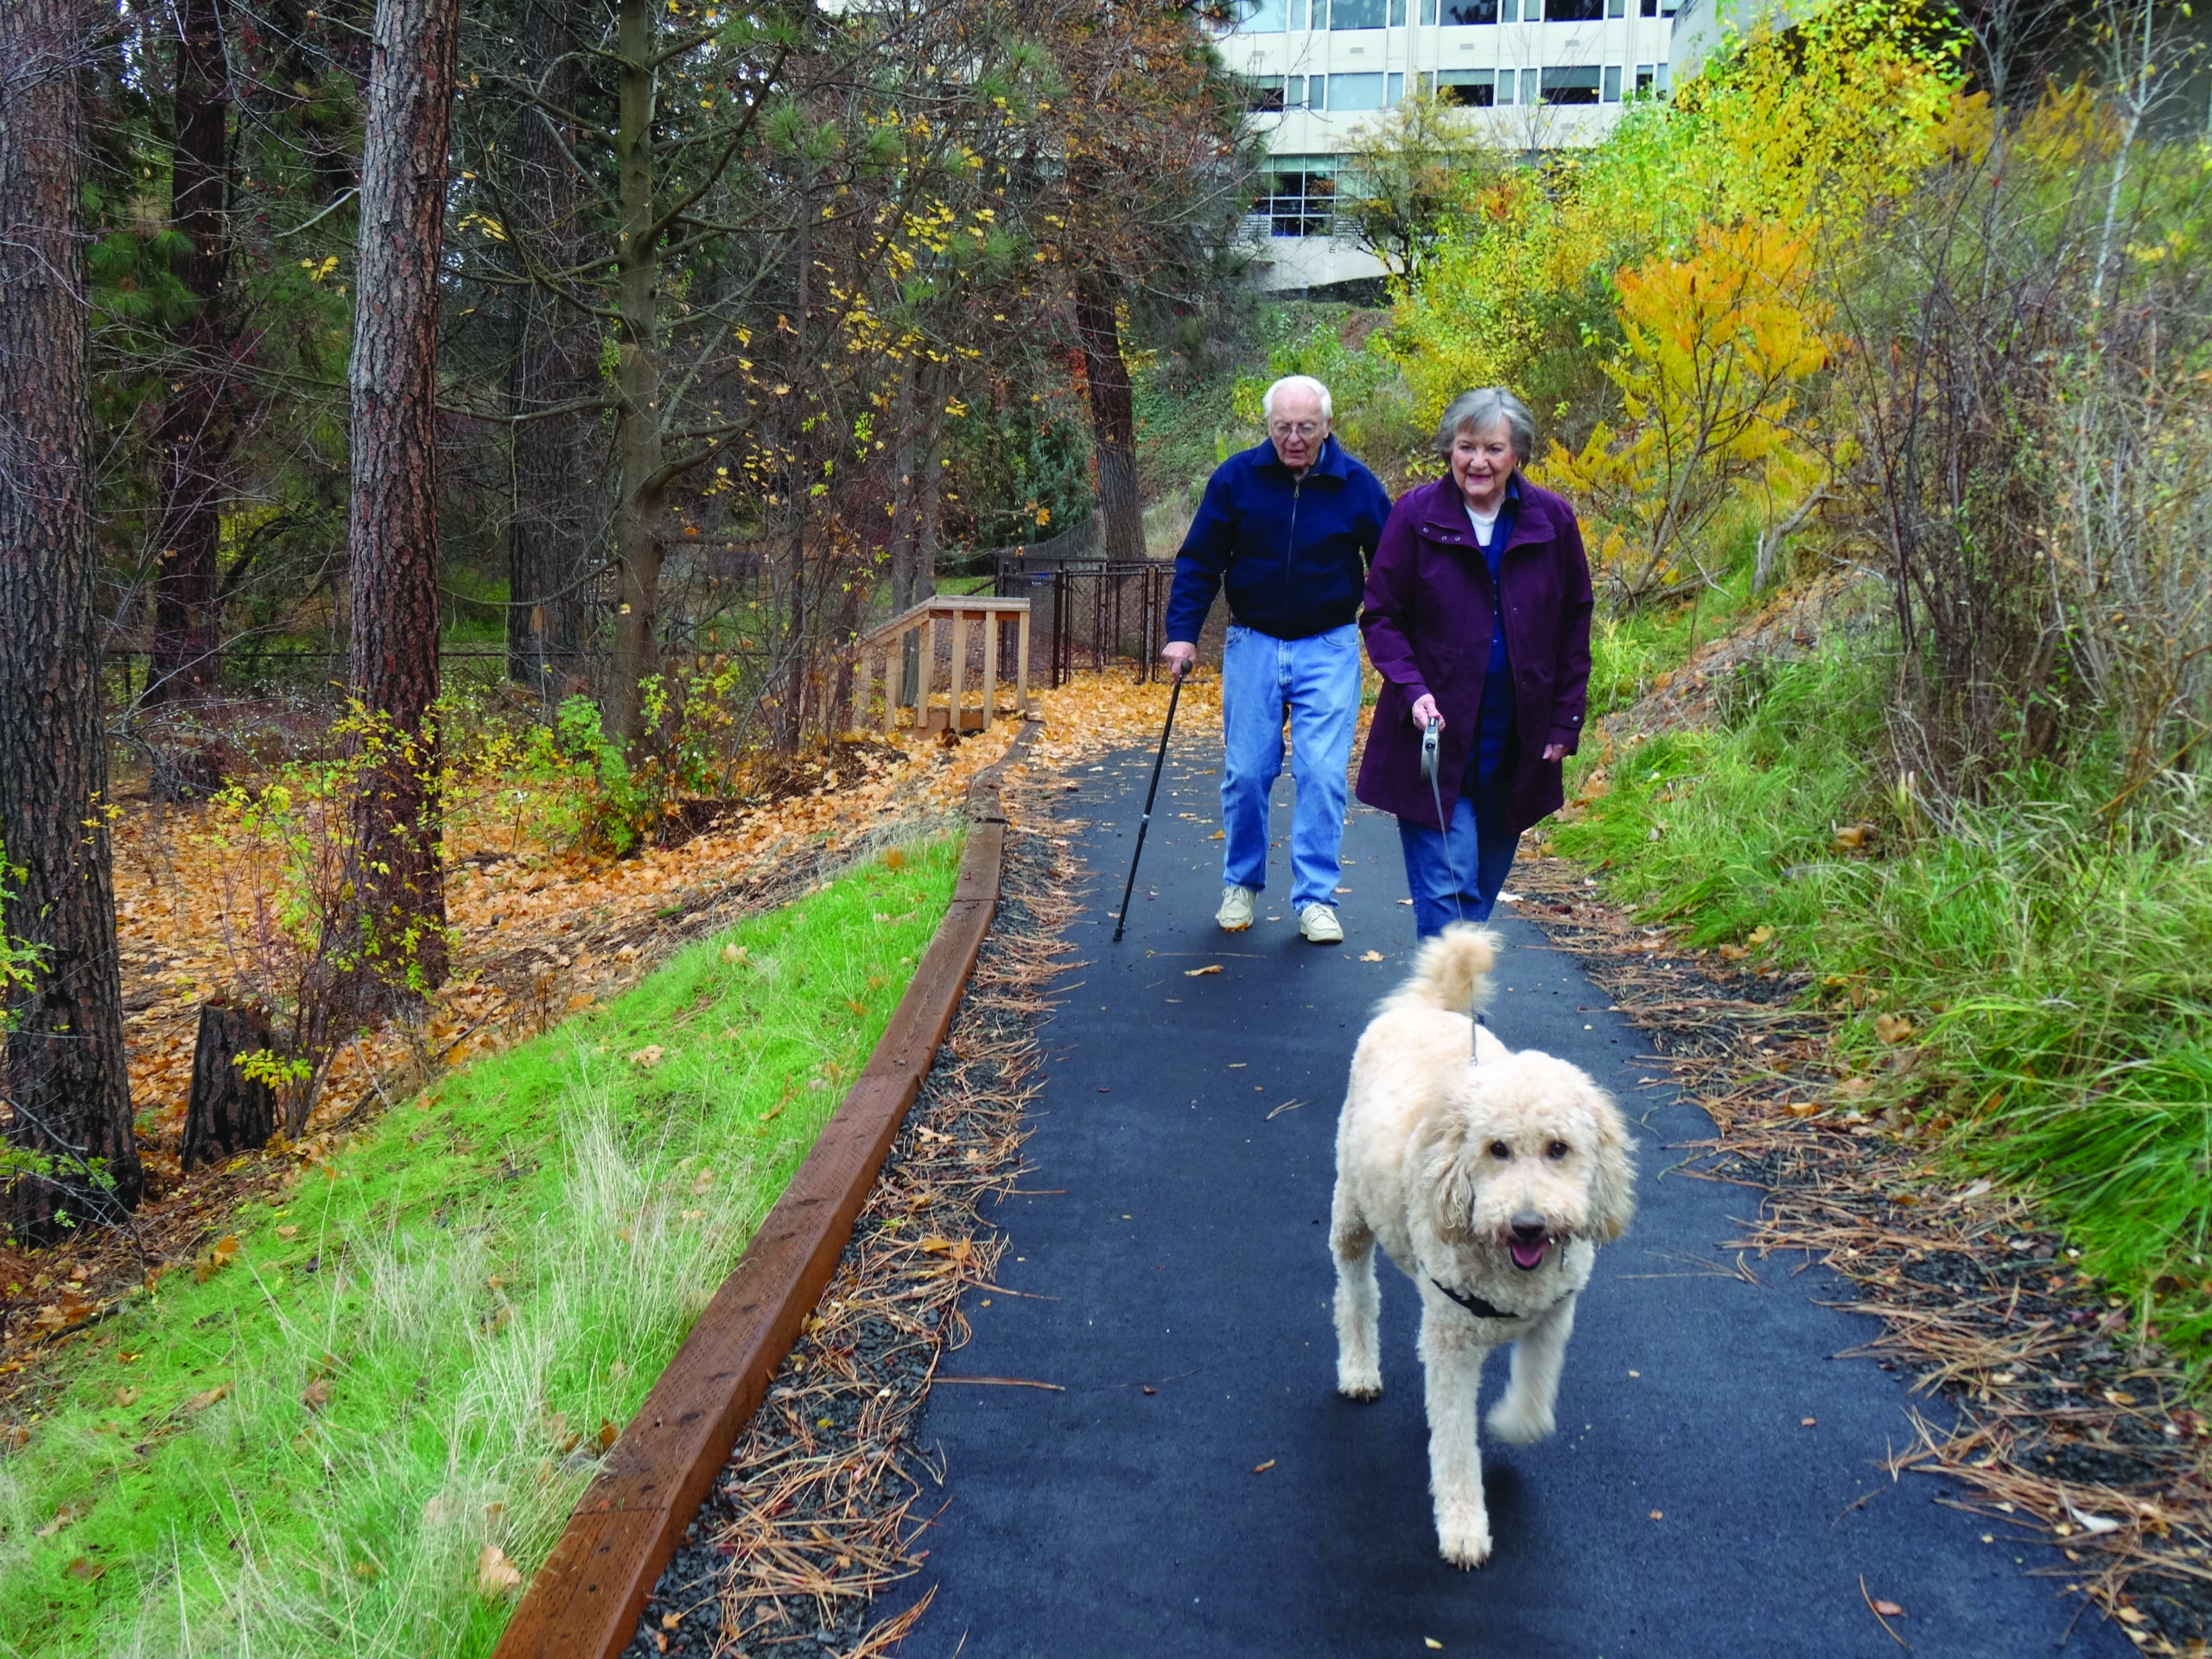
(1428, 622)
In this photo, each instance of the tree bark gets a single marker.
(63, 1076)
(638, 424)
(392, 517)
(192, 434)
(554, 365)
(1113, 423)
(227, 1112)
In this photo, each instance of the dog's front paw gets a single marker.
(1518, 1423)
(1359, 1381)
(1463, 1538)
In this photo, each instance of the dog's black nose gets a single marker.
(1530, 1229)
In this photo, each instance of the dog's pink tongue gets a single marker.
(1527, 1255)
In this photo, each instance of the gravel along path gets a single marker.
(1150, 1457)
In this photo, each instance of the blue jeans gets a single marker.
(1317, 679)
(1473, 866)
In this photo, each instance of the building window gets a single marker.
(1469, 12)
(1299, 196)
(1474, 89)
(1665, 78)
(1570, 85)
(1612, 83)
(1263, 17)
(1270, 94)
(1393, 90)
(1642, 79)
(1574, 11)
(1354, 93)
(1648, 9)
(1356, 14)
(1505, 85)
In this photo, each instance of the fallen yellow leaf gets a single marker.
(1892, 1028)
(1262, 1468)
(1200, 973)
(648, 1057)
(1370, 956)
(495, 1573)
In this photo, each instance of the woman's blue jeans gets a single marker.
(1316, 678)
(1470, 865)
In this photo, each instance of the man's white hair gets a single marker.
(1296, 383)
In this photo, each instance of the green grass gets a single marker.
(2057, 972)
(483, 1277)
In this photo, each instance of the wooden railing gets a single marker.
(886, 646)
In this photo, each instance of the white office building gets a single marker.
(1539, 75)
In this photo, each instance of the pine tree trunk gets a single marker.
(638, 426)
(1113, 423)
(392, 517)
(227, 1112)
(192, 434)
(554, 365)
(63, 1076)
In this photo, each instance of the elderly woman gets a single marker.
(1477, 616)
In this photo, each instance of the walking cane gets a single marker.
(1436, 794)
(1175, 693)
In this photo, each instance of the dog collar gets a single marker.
(1474, 1304)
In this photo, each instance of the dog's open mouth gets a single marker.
(1528, 1254)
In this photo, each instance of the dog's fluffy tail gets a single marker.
(1452, 972)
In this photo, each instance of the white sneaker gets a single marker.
(1235, 913)
(1318, 923)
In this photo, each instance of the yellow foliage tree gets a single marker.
(1717, 347)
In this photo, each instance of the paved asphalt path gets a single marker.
(1174, 1279)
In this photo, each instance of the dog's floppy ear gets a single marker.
(1612, 1170)
(1445, 1171)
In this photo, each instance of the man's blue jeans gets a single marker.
(1472, 866)
(1317, 678)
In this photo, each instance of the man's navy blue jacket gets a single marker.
(1295, 551)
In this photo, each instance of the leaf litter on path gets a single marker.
(1975, 1292)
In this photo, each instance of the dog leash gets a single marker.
(1444, 828)
(1474, 1304)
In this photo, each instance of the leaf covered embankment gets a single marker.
(360, 1415)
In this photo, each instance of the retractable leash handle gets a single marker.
(1436, 794)
(1174, 696)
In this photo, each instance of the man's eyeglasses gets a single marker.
(1300, 430)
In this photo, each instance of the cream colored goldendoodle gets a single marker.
(1489, 1178)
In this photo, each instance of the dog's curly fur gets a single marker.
(1457, 1155)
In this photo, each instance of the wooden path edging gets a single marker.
(585, 1601)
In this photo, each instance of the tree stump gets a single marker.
(182, 774)
(229, 1112)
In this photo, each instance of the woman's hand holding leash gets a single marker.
(1426, 716)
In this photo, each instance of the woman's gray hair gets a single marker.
(1482, 409)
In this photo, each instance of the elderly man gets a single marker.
(1290, 524)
